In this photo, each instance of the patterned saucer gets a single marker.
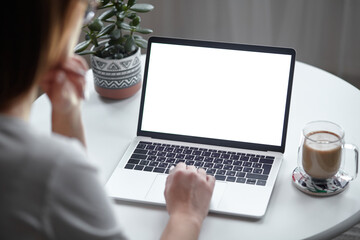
(327, 187)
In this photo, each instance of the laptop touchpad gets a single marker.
(156, 192)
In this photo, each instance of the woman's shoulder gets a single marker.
(23, 147)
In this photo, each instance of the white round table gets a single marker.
(110, 125)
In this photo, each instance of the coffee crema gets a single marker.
(321, 154)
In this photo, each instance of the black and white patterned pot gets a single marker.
(117, 79)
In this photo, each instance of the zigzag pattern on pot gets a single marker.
(125, 83)
(115, 65)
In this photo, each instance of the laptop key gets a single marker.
(266, 168)
(244, 158)
(198, 164)
(237, 163)
(169, 149)
(220, 172)
(261, 182)
(141, 146)
(187, 151)
(218, 166)
(139, 167)
(133, 161)
(150, 147)
(206, 154)
(180, 155)
(199, 158)
(220, 177)
(266, 161)
(197, 152)
(227, 161)
(230, 173)
(257, 176)
(161, 154)
(144, 162)
(211, 171)
(159, 148)
(208, 165)
(141, 151)
(171, 155)
(218, 160)
(151, 158)
(163, 165)
(161, 159)
(247, 164)
(178, 150)
(189, 162)
(159, 170)
(240, 174)
(230, 179)
(153, 164)
(228, 167)
(257, 165)
(247, 170)
(251, 181)
(240, 180)
(257, 170)
(170, 160)
(238, 168)
(138, 156)
(129, 166)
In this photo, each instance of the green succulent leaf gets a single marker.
(131, 15)
(125, 26)
(131, 3)
(96, 25)
(143, 30)
(103, 3)
(106, 30)
(82, 46)
(107, 14)
(116, 34)
(142, 7)
(130, 45)
(86, 52)
(142, 43)
(136, 21)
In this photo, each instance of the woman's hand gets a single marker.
(188, 193)
(64, 85)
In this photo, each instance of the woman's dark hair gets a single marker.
(32, 36)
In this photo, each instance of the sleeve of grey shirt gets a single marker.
(78, 207)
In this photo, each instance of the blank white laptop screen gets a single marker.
(216, 93)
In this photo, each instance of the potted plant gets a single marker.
(114, 43)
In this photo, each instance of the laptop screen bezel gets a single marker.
(210, 141)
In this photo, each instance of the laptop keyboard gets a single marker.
(224, 165)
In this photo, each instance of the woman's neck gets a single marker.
(21, 107)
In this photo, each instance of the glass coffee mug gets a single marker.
(323, 168)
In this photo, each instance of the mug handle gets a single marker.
(356, 153)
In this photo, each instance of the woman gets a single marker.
(48, 189)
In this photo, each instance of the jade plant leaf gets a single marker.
(142, 7)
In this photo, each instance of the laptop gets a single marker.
(220, 106)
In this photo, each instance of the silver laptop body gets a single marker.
(220, 106)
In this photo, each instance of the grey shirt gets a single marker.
(48, 189)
